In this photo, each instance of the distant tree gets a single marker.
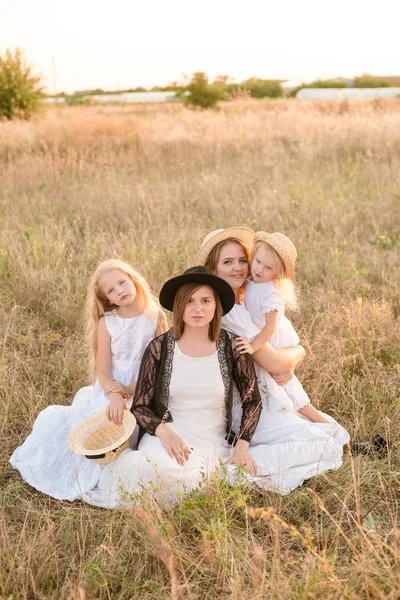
(222, 80)
(370, 81)
(199, 92)
(174, 86)
(233, 89)
(79, 100)
(20, 90)
(263, 88)
(319, 83)
(326, 83)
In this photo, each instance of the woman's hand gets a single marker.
(284, 377)
(115, 387)
(115, 408)
(173, 443)
(244, 346)
(245, 461)
(240, 458)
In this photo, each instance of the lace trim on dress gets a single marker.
(314, 440)
(271, 306)
(244, 376)
(143, 407)
(222, 347)
(152, 393)
(167, 361)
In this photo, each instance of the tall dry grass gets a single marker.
(79, 185)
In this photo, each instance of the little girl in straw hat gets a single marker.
(267, 293)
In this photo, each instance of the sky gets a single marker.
(120, 44)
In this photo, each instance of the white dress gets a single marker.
(44, 459)
(260, 299)
(287, 447)
(196, 404)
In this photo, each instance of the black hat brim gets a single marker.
(224, 291)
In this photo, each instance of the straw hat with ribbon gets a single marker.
(101, 440)
(282, 246)
(243, 234)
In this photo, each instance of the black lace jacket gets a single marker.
(150, 405)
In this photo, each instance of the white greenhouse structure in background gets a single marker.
(347, 93)
(136, 97)
(124, 98)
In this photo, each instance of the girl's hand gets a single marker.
(115, 408)
(173, 443)
(244, 346)
(115, 387)
(284, 377)
(242, 459)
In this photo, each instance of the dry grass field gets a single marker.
(78, 185)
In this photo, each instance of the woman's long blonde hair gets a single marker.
(285, 285)
(97, 304)
(213, 258)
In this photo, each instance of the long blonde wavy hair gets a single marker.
(97, 304)
(213, 258)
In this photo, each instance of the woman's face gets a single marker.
(200, 309)
(232, 265)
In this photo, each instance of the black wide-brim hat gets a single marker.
(202, 276)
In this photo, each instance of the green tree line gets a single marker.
(21, 90)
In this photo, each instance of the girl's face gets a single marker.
(232, 265)
(200, 309)
(118, 287)
(262, 266)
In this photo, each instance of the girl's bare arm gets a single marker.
(103, 357)
(271, 323)
(310, 412)
(104, 373)
(278, 361)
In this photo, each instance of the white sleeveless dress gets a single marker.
(196, 404)
(44, 459)
(286, 447)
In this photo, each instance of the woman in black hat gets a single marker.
(183, 401)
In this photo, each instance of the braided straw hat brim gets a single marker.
(243, 234)
(97, 435)
(282, 246)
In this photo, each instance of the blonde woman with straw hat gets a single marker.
(287, 447)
